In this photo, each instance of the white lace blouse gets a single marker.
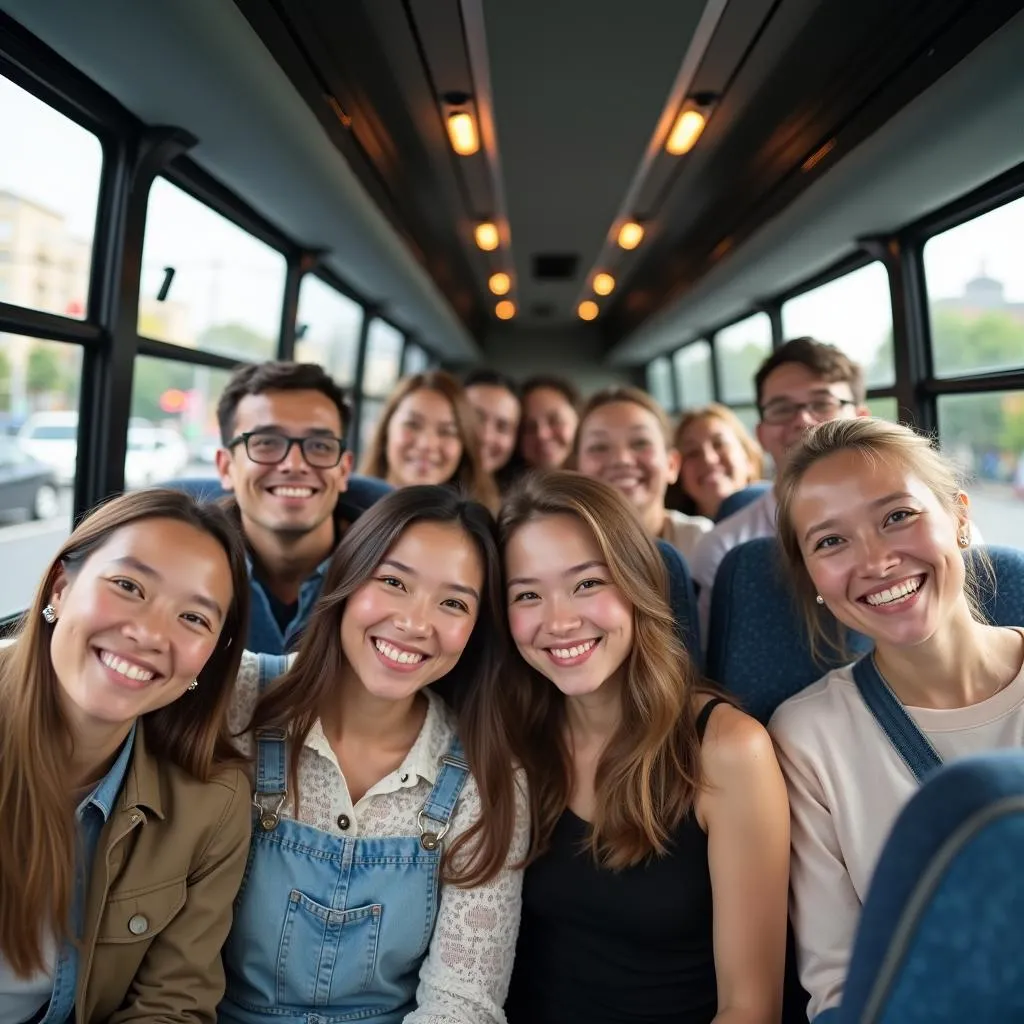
(464, 978)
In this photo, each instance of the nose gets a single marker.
(293, 461)
(709, 456)
(148, 629)
(413, 617)
(876, 555)
(561, 617)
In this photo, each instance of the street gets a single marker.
(26, 548)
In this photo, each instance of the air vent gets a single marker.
(554, 266)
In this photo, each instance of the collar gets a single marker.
(142, 777)
(424, 757)
(106, 790)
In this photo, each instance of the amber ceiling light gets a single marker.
(631, 234)
(486, 235)
(604, 284)
(505, 310)
(588, 310)
(500, 283)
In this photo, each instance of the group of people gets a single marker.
(342, 748)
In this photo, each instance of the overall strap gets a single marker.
(270, 750)
(440, 803)
(909, 742)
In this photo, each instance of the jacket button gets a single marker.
(138, 925)
(343, 822)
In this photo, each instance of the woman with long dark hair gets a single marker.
(377, 888)
(126, 815)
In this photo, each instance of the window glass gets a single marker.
(383, 360)
(659, 383)
(883, 408)
(853, 312)
(49, 189)
(415, 359)
(39, 389)
(227, 288)
(369, 412)
(328, 329)
(984, 434)
(740, 349)
(173, 428)
(974, 274)
(748, 416)
(693, 374)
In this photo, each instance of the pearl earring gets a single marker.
(193, 684)
(820, 599)
(50, 614)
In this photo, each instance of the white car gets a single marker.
(155, 454)
(52, 438)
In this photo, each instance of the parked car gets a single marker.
(155, 454)
(52, 438)
(26, 483)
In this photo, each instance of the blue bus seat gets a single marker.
(941, 933)
(741, 498)
(362, 492)
(757, 644)
(683, 599)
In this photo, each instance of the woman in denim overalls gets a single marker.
(374, 890)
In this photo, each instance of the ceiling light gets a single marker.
(588, 310)
(505, 310)
(486, 235)
(500, 283)
(631, 235)
(462, 132)
(686, 131)
(603, 284)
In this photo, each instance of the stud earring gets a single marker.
(820, 599)
(50, 614)
(193, 684)
(963, 540)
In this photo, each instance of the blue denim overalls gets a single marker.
(330, 928)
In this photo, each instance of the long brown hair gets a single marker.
(474, 687)
(648, 777)
(875, 441)
(38, 841)
(470, 474)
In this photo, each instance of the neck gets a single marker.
(709, 508)
(963, 663)
(359, 715)
(288, 559)
(654, 518)
(594, 717)
(95, 747)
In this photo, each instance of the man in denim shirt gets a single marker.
(283, 427)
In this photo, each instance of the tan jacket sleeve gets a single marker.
(182, 975)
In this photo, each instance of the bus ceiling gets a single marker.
(749, 143)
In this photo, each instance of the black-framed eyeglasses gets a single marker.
(825, 407)
(321, 451)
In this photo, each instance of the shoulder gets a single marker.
(814, 710)
(735, 746)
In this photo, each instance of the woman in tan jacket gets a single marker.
(126, 820)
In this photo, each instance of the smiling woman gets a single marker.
(114, 751)
(373, 749)
(874, 527)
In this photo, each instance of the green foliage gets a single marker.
(44, 372)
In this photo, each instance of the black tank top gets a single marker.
(617, 947)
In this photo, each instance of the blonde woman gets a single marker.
(874, 527)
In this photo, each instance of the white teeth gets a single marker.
(293, 492)
(125, 668)
(572, 652)
(895, 594)
(394, 654)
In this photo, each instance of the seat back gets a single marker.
(683, 599)
(740, 499)
(362, 492)
(757, 645)
(942, 929)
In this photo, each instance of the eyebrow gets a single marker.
(264, 428)
(582, 567)
(814, 393)
(409, 570)
(147, 570)
(827, 524)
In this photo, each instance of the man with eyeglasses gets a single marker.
(803, 383)
(284, 460)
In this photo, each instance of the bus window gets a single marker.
(974, 274)
(49, 187)
(415, 359)
(227, 288)
(383, 359)
(329, 324)
(39, 388)
(985, 436)
(692, 365)
(740, 349)
(884, 408)
(173, 428)
(659, 383)
(853, 312)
